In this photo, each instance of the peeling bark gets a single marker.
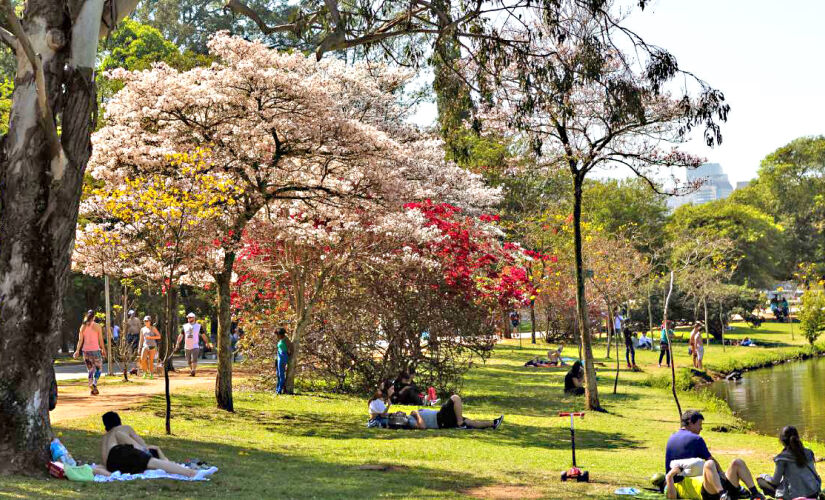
(39, 197)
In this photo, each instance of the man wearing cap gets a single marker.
(192, 333)
(133, 326)
(711, 483)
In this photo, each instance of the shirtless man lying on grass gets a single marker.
(123, 450)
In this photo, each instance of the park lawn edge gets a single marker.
(313, 445)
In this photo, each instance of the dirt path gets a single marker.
(74, 400)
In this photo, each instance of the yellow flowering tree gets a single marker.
(157, 227)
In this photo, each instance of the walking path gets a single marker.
(78, 371)
(74, 401)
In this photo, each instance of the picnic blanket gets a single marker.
(154, 474)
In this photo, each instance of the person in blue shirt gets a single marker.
(284, 351)
(715, 483)
(664, 343)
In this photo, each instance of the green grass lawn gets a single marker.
(311, 446)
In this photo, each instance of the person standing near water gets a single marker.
(698, 344)
(795, 473)
(90, 342)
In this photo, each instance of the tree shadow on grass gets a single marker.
(251, 473)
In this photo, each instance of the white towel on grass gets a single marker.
(154, 474)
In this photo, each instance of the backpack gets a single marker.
(397, 420)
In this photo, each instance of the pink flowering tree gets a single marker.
(286, 129)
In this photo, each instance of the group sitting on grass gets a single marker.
(693, 473)
(449, 416)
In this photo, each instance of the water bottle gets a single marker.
(61, 454)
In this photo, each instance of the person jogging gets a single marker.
(90, 343)
(192, 332)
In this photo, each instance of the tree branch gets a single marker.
(9, 39)
(46, 117)
(241, 8)
(115, 11)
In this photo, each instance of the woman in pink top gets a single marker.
(90, 342)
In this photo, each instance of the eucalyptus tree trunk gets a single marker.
(532, 322)
(591, 392)
(41, 175)
(223, 379)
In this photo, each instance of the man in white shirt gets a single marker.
(191, 333)
(618, 323)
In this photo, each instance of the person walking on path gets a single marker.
(192, 333)
(149, 336)
(284, 352)
(664, 344)
(90, 342)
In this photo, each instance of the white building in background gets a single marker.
(716, 186)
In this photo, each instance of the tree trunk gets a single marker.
(649, 305)
(167, 356)
(722, 330)
(297, 335)
(707, 332)
(618, 360)
(591, 391)
(609, 328)
(533, 321)
(223, 380)
(670, 348)
(38, 214)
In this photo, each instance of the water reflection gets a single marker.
(788, 394)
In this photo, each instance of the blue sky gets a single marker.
(767, 56)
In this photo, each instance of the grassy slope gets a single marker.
(311, 446)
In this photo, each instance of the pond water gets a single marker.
(787, 394)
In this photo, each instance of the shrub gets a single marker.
(812, 314)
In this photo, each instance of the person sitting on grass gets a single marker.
(645, 342)
(449, 416)
(554, 356)
(379, 405)
(574, 380)
(795, 473)
(713, 484)
(123, 450)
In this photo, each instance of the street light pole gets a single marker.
(108, 326)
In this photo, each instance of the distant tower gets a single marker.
(716, 187)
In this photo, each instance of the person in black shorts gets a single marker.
(125, 452)
(449, 417)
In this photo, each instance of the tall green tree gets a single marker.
(756, 239)
(791, 188)
(627, 206)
